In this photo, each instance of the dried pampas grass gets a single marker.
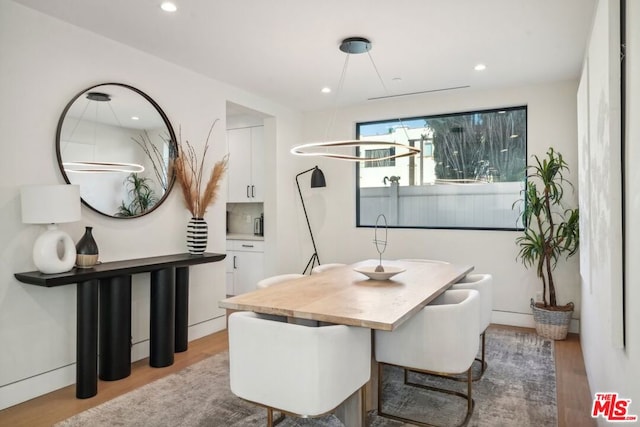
(190, 172)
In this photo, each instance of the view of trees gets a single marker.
(485, 146)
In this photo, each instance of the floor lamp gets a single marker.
(317, 180)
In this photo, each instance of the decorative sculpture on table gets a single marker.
(380, 243)
(379, 272)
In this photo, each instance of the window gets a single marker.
(471, 169)
(379, 153)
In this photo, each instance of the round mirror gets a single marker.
(116, 143)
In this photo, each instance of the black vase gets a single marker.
(86, 250)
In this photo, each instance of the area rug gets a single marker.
(518, 389)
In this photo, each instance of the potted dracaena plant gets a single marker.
(550, 234)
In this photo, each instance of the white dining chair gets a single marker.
(324, 267)
(441, 338)
(274, 280)
(434, 261)
(296, 370)
(483, 283)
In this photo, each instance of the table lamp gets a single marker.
(51, 204)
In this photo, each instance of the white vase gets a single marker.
(197, 232)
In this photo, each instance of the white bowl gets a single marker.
(371, 273)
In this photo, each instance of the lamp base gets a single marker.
(312, 263)
(45, 251)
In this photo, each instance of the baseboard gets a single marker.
(21, 391)
(524, 320)
(208, 327)
(140, 350)
(32, 387)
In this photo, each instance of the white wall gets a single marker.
(551, 121)
(45, 62)
(611, 367)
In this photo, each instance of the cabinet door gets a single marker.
(249, 270)
(230, 272)
(257, 164)
(239, 175)
(231, 290)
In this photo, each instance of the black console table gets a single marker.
(104, 291)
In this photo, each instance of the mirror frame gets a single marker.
(165, 119)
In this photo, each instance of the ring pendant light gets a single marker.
(353, 46)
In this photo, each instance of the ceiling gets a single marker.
(287, 50)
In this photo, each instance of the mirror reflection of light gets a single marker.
(101, 167)
(135, 118)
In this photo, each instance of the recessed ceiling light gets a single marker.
(480, 67)
(326, 90)
(135, 118)
(168, 6)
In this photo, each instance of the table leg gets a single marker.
(115, 328)
(351, 412)
(372, 387)
(182, 309)
(87, 339)
(162, 324)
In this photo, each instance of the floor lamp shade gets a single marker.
(317, 178)
(51, 204)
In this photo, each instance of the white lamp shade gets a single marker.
(50, 204)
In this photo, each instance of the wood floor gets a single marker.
(573, 396)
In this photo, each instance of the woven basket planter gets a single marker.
(552, 324)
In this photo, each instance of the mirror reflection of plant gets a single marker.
(142, 196)
(159, 163)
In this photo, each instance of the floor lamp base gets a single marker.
(312, 262)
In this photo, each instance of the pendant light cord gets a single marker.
(343, 76)
(386, 92)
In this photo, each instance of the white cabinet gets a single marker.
(246, 164)
(245, 265)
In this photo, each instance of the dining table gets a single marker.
(345, 296)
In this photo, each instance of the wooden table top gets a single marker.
(344, 296)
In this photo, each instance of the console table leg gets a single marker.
(182, 309)
(115, 328)
(162, 324)
(87, 339)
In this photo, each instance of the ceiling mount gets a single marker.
(355, 45)
(98, 96)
